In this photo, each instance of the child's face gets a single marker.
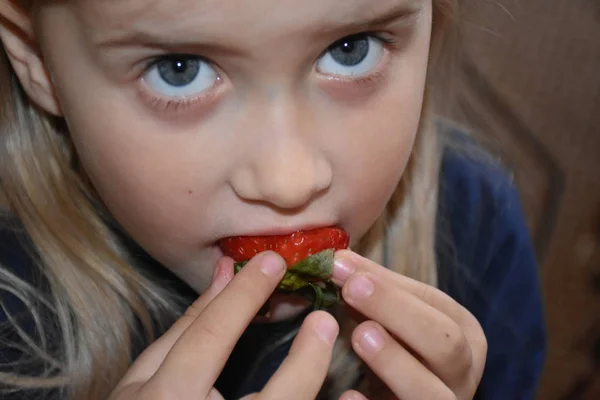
(259, 128)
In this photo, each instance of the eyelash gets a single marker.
(180, 105)
(177, 105)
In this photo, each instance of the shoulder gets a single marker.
(488, 264)
(480, 216)
(19, 276)
(474, 186)
(18, 270)
(16, 257)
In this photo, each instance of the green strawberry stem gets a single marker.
(317, 267)
(302, 279)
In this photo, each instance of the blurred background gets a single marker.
(531, 70)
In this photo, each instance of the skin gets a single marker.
(277, 143)
(275, 147)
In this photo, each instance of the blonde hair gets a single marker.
(101, 300)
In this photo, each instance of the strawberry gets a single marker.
(293, 248)
(309, 259)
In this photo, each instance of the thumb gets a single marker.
(151, 359)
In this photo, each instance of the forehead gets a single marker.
(233, 15)
(242, 10)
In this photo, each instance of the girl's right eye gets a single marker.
(180, 76)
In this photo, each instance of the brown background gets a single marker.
(532, 68)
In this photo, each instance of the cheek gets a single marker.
(153, 181)
(373, 157)
(153, 178)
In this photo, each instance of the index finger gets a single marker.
(199, 355)
(348, 263)
(146, 365)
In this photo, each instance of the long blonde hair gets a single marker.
(100, 300)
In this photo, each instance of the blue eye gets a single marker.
(352, 56)
(180, 76)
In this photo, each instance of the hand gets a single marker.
(417, 340)
(185, 362)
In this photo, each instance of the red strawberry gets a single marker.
(292, 248)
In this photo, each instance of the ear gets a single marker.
(17, 36)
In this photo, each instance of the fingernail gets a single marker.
(343, 268)
(327, 329)
(216, 272)
(353, 396)
(271, 265)
(360, 287)
(371, 340)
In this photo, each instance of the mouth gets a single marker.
(281, 230)
(308, 255)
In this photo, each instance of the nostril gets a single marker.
(283, 189)
(323, 175)
(244, 185)
(287, 193)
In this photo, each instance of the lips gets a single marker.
(281, 230)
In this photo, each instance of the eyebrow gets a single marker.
(401, 12)
(407, 11)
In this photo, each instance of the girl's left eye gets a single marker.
(353, 55)
(180, 76)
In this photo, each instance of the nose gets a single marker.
(284, 167)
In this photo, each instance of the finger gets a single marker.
(352, 395)
(347, 263)
(303, 372)
(151, 359)
(433, 336)
(198, 356)
(406, 377)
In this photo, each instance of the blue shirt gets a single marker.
(485, 260)
(489, 266)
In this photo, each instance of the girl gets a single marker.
(135, 135)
